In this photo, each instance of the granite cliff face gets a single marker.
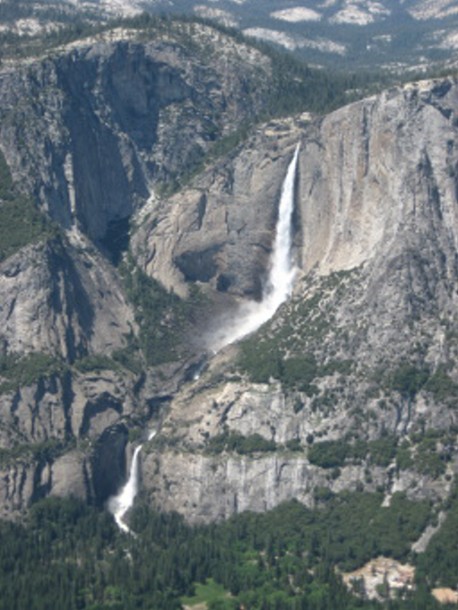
(77, 308)
(219, 231)
(359, 365)
(90, 130)
(371, 325)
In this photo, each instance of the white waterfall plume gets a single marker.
(279, 285)
(119, 504)
(248, 318)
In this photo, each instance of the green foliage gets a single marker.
(404, 460)
(408, 380)
(296, 87)
(441, 386)
(343, 367)
(334, 454)
(17, 372)
(227, 143)
(277, 350)
(294, 445)
(20, 222)
(360, 528)
(6, 181)
(71, 556)
(233, 441)
(210, 593)
(439, 564)
(383, 450)
(129, 357)
(162, 317)
(261, 359)
(428, 460)
(329, 454)
(96, 363)
(45, 451)
(427, 453)
(135, 435)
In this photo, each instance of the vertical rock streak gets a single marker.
(281, 275)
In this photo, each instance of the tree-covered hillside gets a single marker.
(71, 556)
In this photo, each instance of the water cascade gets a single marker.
(119, 504)
(249, 318)
(279, 285)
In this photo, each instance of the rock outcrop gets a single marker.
(65, 434)
(371, 323)
(219, 231)
(61, 297)
(90, 130)
(361, 362)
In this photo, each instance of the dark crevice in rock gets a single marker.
(116, 239)
(104, 401)
(201, 209)
(108, 462)
(441, 89)
(366, 140)
(68, 396)
(198, 266)
(224, 281)
(425, 169)
(67, 291)
(90, 495)
(40, 489)
(156, 404)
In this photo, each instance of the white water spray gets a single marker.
(281, 275)
(248, 319)
(119, 504)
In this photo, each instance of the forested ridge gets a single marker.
(71, 556)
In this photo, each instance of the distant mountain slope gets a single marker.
(350, 33)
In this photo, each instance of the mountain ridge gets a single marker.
(349, 389)
(358, 33)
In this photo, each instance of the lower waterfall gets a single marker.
(119, 505)
(249, 318)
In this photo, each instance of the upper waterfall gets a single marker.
(279, 285)
(282, 270)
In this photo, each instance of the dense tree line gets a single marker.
(71, 556)
(20, 222)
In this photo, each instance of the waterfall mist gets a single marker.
(250, 316)
(119, 505)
